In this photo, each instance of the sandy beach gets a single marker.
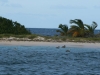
(34, 43)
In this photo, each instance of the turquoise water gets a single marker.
(44, 60)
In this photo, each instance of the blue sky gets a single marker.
(50, 13)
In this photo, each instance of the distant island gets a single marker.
(77, 32)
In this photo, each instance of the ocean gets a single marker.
(47, 60)
(44, 31)
(49, 31)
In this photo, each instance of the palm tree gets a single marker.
(90, 29)
(64, 29)
(78, 29)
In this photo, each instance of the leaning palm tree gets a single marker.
(64, 29)
(78, 29)
(90, 29)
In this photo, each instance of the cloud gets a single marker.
(6, 3)
(13, 5)
(10, 5)
(3, 1)
(97, 7)
(68, 7)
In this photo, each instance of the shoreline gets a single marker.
(55, 44)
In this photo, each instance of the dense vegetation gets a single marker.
(78, 29)
(9, 27)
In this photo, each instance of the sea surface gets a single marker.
(47, 60)
(49, 31)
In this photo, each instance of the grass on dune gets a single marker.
(96, 38)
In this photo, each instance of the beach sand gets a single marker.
(34, 43)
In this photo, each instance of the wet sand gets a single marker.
(67, 44)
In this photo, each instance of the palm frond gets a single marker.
(94, 25)
(78, 22)
(91, 28)
(64, 29)
(88, 27)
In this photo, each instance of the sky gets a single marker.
(50, 13)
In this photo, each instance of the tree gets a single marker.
(9, 27)
(90, 29)
(78, 29)
(64, 29)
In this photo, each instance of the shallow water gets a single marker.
(38, 60)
